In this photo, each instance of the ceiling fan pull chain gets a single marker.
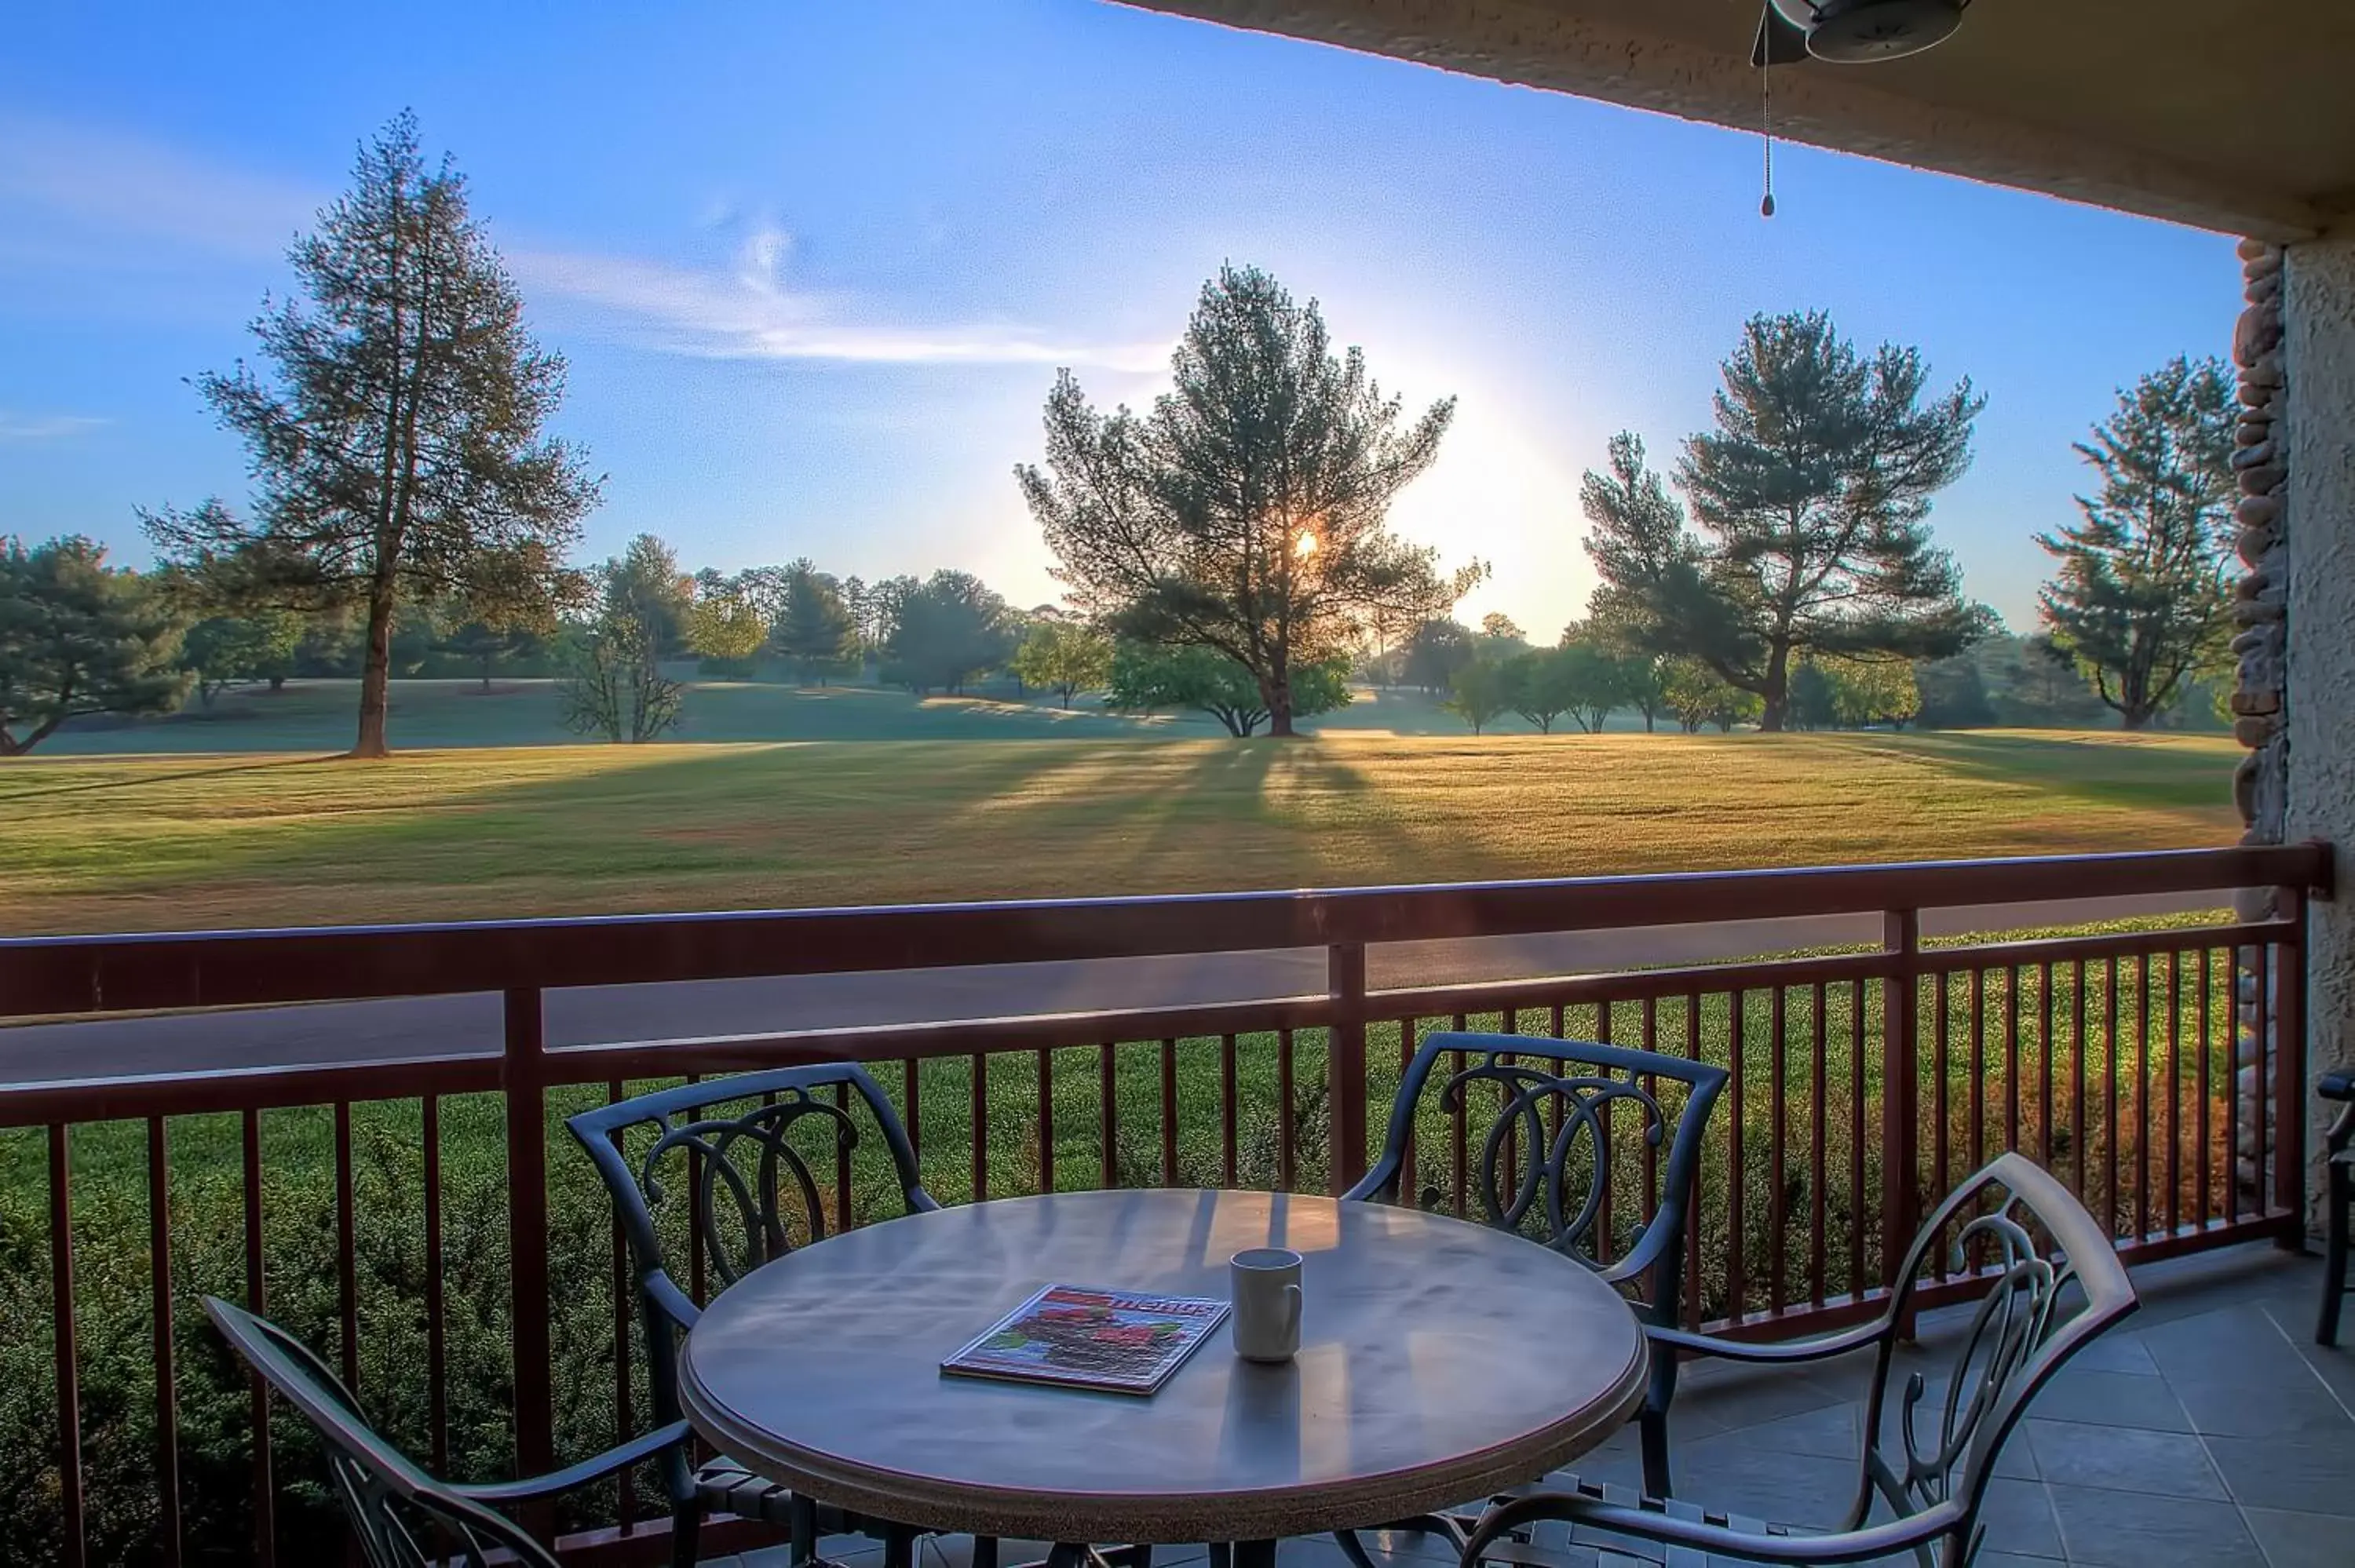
(1766, 132)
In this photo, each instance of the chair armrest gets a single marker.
(676, 1304)
(1678, 1523)
(2336, 1085)
(637, 1450)
(1780, 1352)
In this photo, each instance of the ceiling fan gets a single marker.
(1844, 32)
(1852, 32)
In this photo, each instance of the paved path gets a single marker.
(444, 1026)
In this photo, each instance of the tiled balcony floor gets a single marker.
(2208, 1431)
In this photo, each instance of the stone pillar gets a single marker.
(2315, 440)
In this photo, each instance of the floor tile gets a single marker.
(2244, 1410)
(2126, 1530)
(2122, 1459)
(1831, 1432)
(2110, 1399)
(1727, 1474)
(2302, 1539)
(2115, 1353)
(2230, 1342)
(2311, 1472)
(2019, 1519)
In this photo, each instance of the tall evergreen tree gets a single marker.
(397, 447)
(1813, 499)
(1247, 510)
(78, 637)
(2142, 597)
(814, 628)
(644, 584)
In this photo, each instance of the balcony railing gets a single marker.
(426, 1223)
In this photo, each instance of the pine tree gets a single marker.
(2142, 598)
(1813, 498)
(78, 637)
(814, 628)
(1247, 510)
(397, 447)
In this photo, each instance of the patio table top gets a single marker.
(1439, 1360)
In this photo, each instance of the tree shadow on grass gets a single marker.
(142, 780)
(2123, 771)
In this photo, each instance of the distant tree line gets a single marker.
(1226, 551)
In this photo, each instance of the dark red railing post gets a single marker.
(1345, 1061)
(524, 1080)
(2289, 1068)
(73, 1549)
(1901, 1198)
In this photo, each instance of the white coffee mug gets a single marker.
(1266, 1286)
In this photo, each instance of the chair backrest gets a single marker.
(401, 1517)
(741, 1149)
(1546, 1149)
(2056, 1284)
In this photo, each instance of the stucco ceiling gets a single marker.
(2233, 114)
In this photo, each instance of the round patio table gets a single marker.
(1439, 1361)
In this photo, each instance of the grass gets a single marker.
(240, 840)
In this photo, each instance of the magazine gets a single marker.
(1122, 1341)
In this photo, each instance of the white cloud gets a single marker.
(749, 311)
(45, 427)
(133, 189)
(112, 191)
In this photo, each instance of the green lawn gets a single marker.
(318, 715)
(145, 843)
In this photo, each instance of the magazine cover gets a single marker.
(1126, 1341)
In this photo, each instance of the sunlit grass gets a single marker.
(180, 842)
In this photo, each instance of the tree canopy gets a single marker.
(2142, 596)
(1064, 657)
(78, 637)
(814, 625)
(1148, 677)
(1812, 495)
(944, 631)
(1247, 512)
(1481, 691)
(396, 444)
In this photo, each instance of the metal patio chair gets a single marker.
(729, 1145)
(400, 1516)
(1545, 1165)
(2338, 1200)
(1930, 1467)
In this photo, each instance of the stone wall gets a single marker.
(2261, 782)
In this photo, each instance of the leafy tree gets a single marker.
(1954, 693)
(1538, 687)
(1867, 692)
(1481, 690)
(1696, 695)
(813, 628)
(225, 650)
(398, 448)
(2142, 598)
(1501, 637)
(2033, 685)
(1064, 657)
(1813, 494)
(946, 631)
(614, 684)
(725, 628)
(645, 586)
(1593, 680)
(1148, 677)
(1247, 512)
(1437, 650)
(78, 637)
(1814, 704)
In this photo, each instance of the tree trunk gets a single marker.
(486, 675)
(375, 673)
(277, 684)
(1774, 700)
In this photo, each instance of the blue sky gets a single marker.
(815, 265)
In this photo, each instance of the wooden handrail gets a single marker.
(41, 976)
